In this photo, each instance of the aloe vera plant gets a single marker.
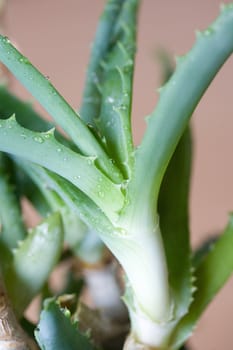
(135, 198)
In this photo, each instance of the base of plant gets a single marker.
(132, 344)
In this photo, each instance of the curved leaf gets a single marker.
(33, 261)
(193, 74)
(211, 274)
(90, 108)
(116, 88)
(11, 224)
(55, 104)
(44, 149)
(56, 330)
(173, 209)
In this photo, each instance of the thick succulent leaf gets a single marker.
(173, 211)
(74, 228)
(57, 331)
(44, 149)
(90, 108)
(116, 88)
(192, 76)
(11, 224)
(42, 89)
(82, 240)
(33, 261)
(211, 274)
(87, 210)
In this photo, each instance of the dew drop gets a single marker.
(59, 150)
(208, 31)
(110, 99)
(6, 40)
(38, 139)
(23, 136)
(122, 232)
(23, 59)
(47, 136)
(101, 194)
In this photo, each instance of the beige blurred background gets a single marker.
(56, 36)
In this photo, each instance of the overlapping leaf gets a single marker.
(57, 331)
(33, 261)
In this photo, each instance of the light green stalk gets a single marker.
(128, 221)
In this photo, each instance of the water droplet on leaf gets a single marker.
(101, 194)
(38, 139)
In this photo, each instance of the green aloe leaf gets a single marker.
(44, 149)
(42, 89)
(86, 209)
(116, 88)
(211, 274)
(57, 331)
(82, 240)
(33, 261)
(174, 223)
(192, 76)
(90, 108)
(12, 228)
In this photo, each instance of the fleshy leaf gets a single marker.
(116, 88)
(33, 261)
(190, 80)
(82, 240)
(57, 331)
(211, 274)
(87, 210)
(12, 228)
(174, 222)
(90, 108)
(45, 150)
(42, 89)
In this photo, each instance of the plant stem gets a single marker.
(12, 335)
